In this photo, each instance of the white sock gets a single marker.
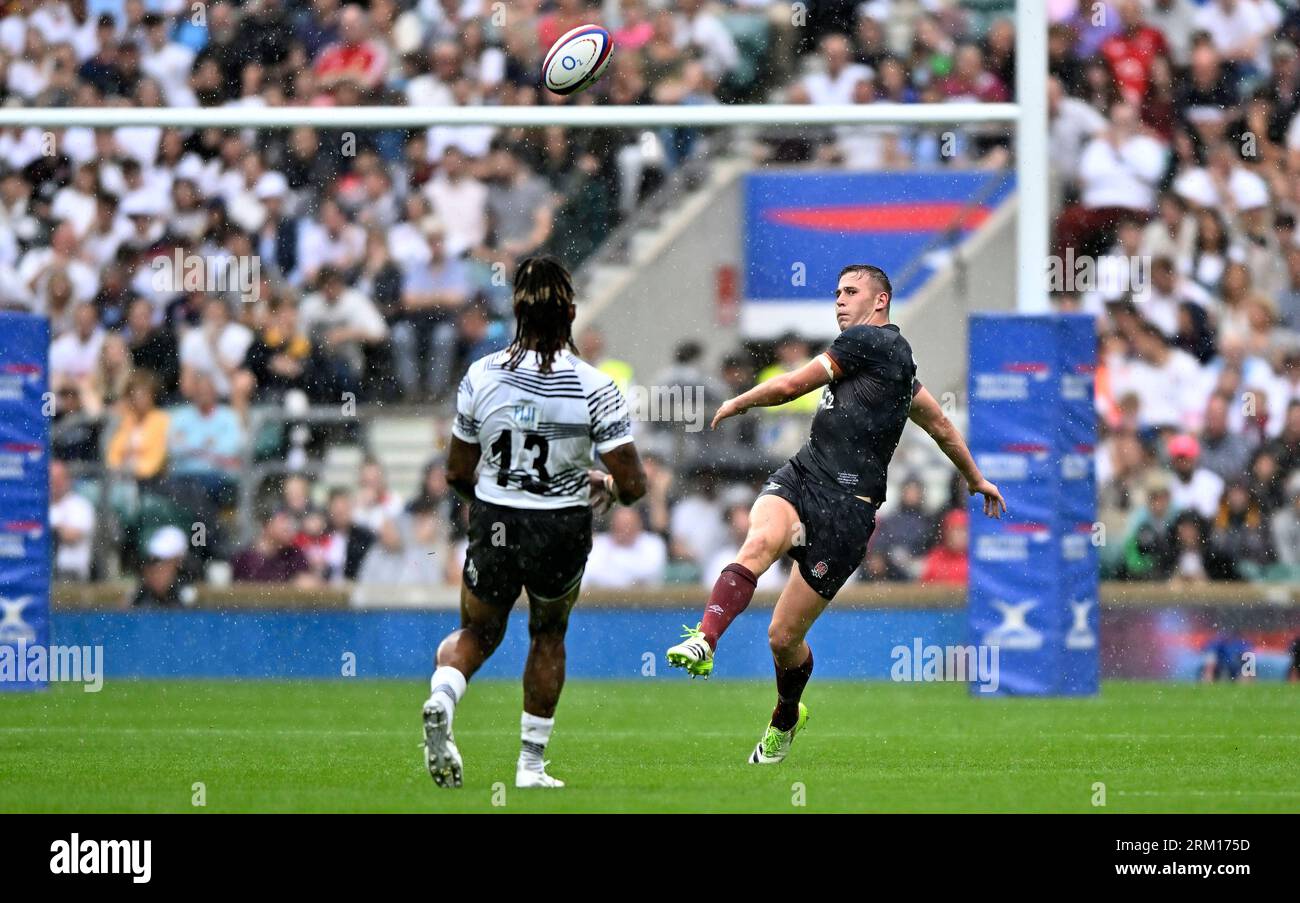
(535, 733)
(448, 685)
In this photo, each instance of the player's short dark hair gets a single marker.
(542, 298)
(875, 272)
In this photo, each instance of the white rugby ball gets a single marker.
(577, 59)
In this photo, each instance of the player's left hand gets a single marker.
(729, 408)
(994, 506)
(601, 495)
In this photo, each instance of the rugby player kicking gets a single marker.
(529, 422)
(831, 489)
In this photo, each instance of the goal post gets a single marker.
(1031, 157)
(591, 117)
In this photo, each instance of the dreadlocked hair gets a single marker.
(543, 295)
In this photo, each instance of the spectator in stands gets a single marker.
(153, 347)
(64, 255)
(1072, 125)
(1286, 447)
(1148, 545)
(970, 81)
(1118, 173)
(592, 349)
(1133, 50)
(1090, 30)
(1239, 30)
(138, 447)
(700, 29)
(282, 358)
(478, 334)
(206, 443)
(1162, 299)
(519, 206)
(376, 504)
(162, 579)
(296, 500)
(626, 555)
(948, 561)
(72, 526)
(696, 526)
(1194, 487)
(405, 552)
(1192, 559)
(460, 202)
(274, 558)
(345, 323)
(1224, 453)
(737, 519)
(355, 58)
(1285, 528)
(836, 79)
(791, 353)
(877, 568)
(1165, 380)
(909, 531)
(1241, 531)
(635, 28)
(216, 348)
(435, 493)
(333, 241)
(348, 540)
(74, 356)
(1289, 298)
(74, 432)
(424, 335)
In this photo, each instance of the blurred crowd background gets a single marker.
(384, 261)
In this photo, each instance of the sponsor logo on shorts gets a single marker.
(819, 569)
(471, 573)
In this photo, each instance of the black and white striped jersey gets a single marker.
(540, 432)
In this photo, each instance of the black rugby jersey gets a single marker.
(862, 411)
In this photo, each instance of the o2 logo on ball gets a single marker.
(577, 60)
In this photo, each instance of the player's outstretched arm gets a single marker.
(927, 414)
(778, 390)
(462, 464)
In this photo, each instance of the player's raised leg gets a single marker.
(799, 606)
(461, 654)
(772, 527)
(548, 621)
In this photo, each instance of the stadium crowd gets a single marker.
(383, 257)
(1177, 148)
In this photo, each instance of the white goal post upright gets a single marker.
(1029, 118)
(1033, 223)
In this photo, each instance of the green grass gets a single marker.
(657, 745)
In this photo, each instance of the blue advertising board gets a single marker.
(24, 495)
(1034, 573)
(801, 228)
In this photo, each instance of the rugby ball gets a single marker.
(577, 59)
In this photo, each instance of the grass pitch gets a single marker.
(658, 745)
